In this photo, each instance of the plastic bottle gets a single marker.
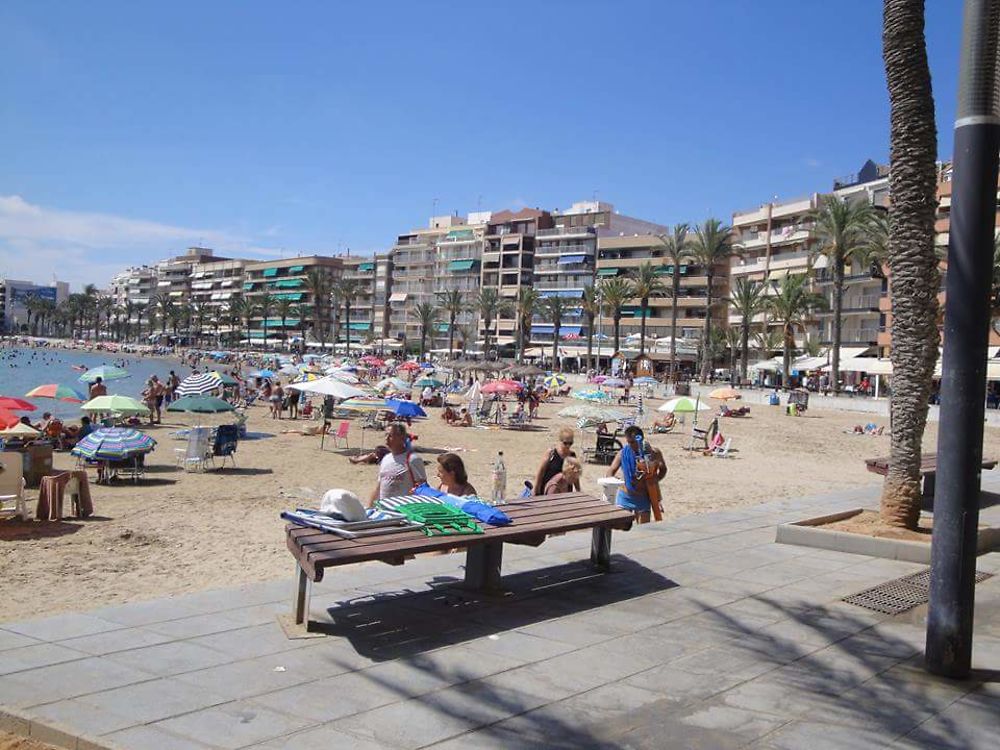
(499, 480)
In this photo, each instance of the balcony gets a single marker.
(567, 232)
(785, 236)
(541, 251)
(855, 336)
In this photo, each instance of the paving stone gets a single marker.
(680, 686)
(144, 613)
(168, 659)
(151, 701)
(10, 639)
(192, 627)
(817, 736)
(319, 738)
(252, 642)
(60, 627)
(26, 658)
(67, 680)
(115, 640)
(82, 717)
(232, 725)
(520, 646)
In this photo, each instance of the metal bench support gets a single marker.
(930, 480)
(600, 548)
(300, 604)
(482, 566)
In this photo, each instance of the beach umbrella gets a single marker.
(724, 394)
(201, 405)
(105, 373)
(57, 392)
(288, 369)
(344, 377)
(428, 383)
(502, 386)
(329, 387)
(614, 382)
(683, 405)
(197, 385)
(113, 443)
(8, 418)
(20, 430)
(554, 381)
(392, 384)
(16, 404)
(409, 366)
(372, 360)
(262, 374)
(227, 380)
(363, 404)
(646, 380)
(591, 395)
(123, 405)
(405, 408)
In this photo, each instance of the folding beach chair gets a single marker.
(12, 486)
(341, 434)
(193, 456)
(224, 446)
(722, 451)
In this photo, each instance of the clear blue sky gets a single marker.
(131, 129)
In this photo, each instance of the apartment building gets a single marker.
(414, 258)
(367, 317)
(215, 285)
(136, 284)
(457, 267)
(15, 294)
(174, 275)
(287, 279)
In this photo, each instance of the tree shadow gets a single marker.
(987, 499)
(240, 471)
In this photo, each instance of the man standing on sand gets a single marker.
(98, 388)
(400, 470)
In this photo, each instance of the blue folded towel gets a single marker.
(485, 513)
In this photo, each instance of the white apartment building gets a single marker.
(14, 294)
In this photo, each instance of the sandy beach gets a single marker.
(162, 537)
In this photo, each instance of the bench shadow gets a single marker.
(405, 623)
(987, 499)
(240, 471)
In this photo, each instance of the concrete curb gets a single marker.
(50, 732)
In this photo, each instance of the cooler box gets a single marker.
(610, 486)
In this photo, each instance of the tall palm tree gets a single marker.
(590, 305)
(646, 283)
(913, 265)
(767, 340)
(140, 311)
(318, 286)
(747, 300)
(452, 303)
(427, 315)
(614, 294)
(555, 309)
(791, 306)
(31, 308)
(841, 232)
(161, 304)
(348, 291)
(265, 306)
(675, 249)
(196, 319)
(129, 309)
(242, 311)
(490, 307)
(283, 308)
(712, 245)
(529, 302)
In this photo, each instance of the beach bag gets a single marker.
(344, 504)
(485, 513)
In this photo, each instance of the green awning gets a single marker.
(366, 267)
(248, 287)
(270, 272)
(360, 326)
(289, 283)
(296, 269)
(276, 322)
(441, 328)
(461, 265)
(294, 296)
(460, 234)
(607, 271)
(664, 271)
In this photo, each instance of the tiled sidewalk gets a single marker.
(707, 634)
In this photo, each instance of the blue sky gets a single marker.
(131, 130)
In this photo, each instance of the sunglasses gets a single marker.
(568, 443)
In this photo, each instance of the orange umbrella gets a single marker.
(724, 394)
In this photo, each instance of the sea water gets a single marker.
(22, 369)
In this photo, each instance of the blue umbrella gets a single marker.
(262, 374)
(405, 408)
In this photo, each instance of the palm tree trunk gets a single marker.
(744, 349)
(451, 335)
(786, 356)
(912, 262)
(347, 327)
(706, 354)
(590, 341)
(618, 324)
(838, 312)
(643, 304)
(555, 345)
(676, 281)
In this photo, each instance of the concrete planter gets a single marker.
(810, 533)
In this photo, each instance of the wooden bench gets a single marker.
(928, 469)
(533, 520)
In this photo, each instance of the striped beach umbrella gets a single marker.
(683, 405)
(198, 385)
(57, 392)
(113, 443)
(20, 430)
(554, 381)
(105, 373)
(8, 418)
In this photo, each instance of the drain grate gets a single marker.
(900, 595)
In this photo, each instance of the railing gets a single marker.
(556, 231)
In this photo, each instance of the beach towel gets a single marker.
(52, 493)
(395, 503)
(629, 469)
(485, 513)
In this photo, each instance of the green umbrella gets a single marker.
(429, 383)
(123, 405)
(201, 405)
(683, 405)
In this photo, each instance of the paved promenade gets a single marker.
(706, 635)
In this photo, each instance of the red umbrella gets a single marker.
(502, 386)
(8, 419)
(373, 361)
(16, 404)
(409, 366)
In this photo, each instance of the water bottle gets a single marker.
(499, 480)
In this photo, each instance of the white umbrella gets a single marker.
(343, 377)
(683, 405)
(329, 387)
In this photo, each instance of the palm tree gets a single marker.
(712, 245)
(490, 307)
(318, 285)
(427, 315)
(675, 252)
(646, 283)
(196, 315)
(733, 341)
(176, 315)
(913, 265)
(161, 303)
(791, 306)
(452, 303)
(748, 301)
(265, 306)
(554, 309)
(614, 294)
(31, 308)
(348, 290)
(242, 311)
(140, 310)
(283, 308)
(128, 310)
(841, 231)
(590, 305)
(528, 303)
(767, 340)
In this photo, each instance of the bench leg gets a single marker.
(300, 605)
(482, 566)
(600, 548)
(930, 481)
